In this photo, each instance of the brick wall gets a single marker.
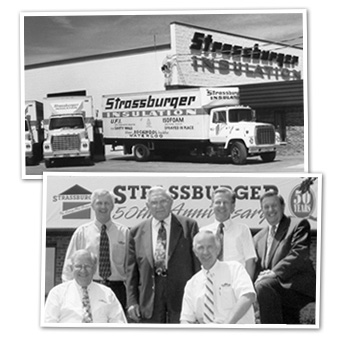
(294, 124)
(60, 243)
(294, 142)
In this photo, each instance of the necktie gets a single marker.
(270, 236)
(104, 258)
(160, 251)
(220, 234)
(87, 316)
(208, 299)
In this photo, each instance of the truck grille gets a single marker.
(265, 135)
(66, 142)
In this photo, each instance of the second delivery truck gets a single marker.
(199, 121)
(69, 129)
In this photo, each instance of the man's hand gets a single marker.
(134, 312)
(266, 274)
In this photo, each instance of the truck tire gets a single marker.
(268, 156)
(29, 161)
(238, 153)
(141, 152)
(89, 161)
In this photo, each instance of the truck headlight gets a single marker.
(46, 146)
(278, 138)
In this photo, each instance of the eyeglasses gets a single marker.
(80, 267)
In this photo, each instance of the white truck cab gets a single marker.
(69, 129)
(235, 129)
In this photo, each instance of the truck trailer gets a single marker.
(198, 121)
(34, 133)
(69, 129)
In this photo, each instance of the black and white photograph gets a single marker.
(172, 172)
(166, 91)
(257, 236)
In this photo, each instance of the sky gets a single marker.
(58, 37)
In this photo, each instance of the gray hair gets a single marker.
(208, 233)
(81, 252)
(158, 189)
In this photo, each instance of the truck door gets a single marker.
(218, 126)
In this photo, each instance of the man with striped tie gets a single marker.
(222, 292)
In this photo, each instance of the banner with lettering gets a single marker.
(67, 196)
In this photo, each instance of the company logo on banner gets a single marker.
(302, 203)
(75, 203)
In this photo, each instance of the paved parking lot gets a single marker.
(116, 162)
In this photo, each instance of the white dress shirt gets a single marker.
(64, 304)
(230, 281)
(238, 241)
(88, 236)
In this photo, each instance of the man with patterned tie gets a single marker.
(222, 292)
(160, 261)
(81, 300)
(108, 240)
(236, 239)
(285, 278)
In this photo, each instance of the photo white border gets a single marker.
(181, 175)
(302, 11)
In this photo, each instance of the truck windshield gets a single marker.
(238, 115)
(66, 122)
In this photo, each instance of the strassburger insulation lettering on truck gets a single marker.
(117, 103)
(172, 100)
(66, 107)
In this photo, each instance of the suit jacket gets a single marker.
(289, 256)
(182, 264)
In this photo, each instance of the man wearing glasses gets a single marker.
(81, 300)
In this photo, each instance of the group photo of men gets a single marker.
(185, 249)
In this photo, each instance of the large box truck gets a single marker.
(69, 128)
(198, 121)
(34, 133)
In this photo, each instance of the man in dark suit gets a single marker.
(160, 262)
(286, 279)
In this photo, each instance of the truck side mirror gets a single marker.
(253, 115)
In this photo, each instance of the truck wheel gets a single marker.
(89, 161)
(238, 153)
(141, 152)
(268, 156)
(48, 163)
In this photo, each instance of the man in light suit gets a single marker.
(286, 279)
(160, 262)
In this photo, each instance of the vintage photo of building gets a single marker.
(192, 96)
